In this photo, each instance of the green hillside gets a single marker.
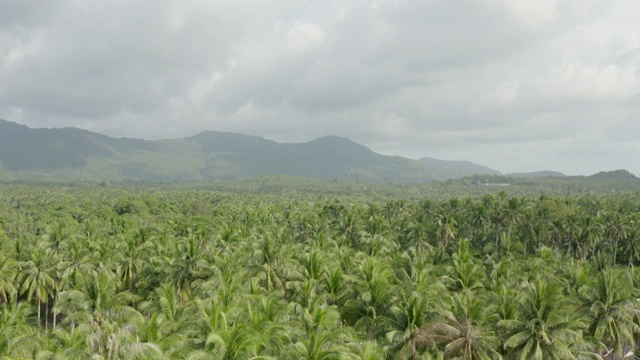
(74, 154)
(461, 167)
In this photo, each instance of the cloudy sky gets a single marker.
(517, 85)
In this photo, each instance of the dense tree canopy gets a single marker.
(171, 273)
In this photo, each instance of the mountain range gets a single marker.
(71, 153)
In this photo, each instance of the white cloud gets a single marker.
(517, 85)
(303, 37)
(534, 14)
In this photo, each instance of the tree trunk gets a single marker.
(39, 324)
(414, 355)
(539, 242)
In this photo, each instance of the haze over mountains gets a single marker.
(71, 153)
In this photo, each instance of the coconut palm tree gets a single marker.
(217, 333)
(545, 327)
(590, 234)
(447, 228)
(130, 260)
(466, 330)
(368, 350)
(631, 245)
(37, 279)
(273, 261)
(413, 316)
(96, 301)
(321, 336)
(466, 273)
(185, 264)
(8, 272)
(418, 233)
(18, 338)
(63, 344)
(616, 230)
(369, 304)
(611, 307)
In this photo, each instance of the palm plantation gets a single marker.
(136, 273)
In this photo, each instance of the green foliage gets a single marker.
(251, 270)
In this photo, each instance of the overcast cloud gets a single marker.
(516, 85)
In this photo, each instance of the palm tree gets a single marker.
(369, 304)
(267, 315)
(465, 331)
(543, 223)
(96, 301)
(272, 260)
(225, 336)
(161, 324)
(185, 265)
(313, 265)
(65, 345)
(417, 233)
(447, 228)
(368, 350)
(8, 271)
(616, 230)
(631, 245)
(18, 339)
(467, 274)
(590, 234)
(571, 228)
(611, 307)
(527, 231)
(239, 342)
(479, 220)
(112, 341)
(130, 260)
(321, 336)
(512, 213)
(57, 236)
(37, 279)
(545, 326)
(335, 285)
(413, 315)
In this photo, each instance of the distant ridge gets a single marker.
(75, 154)
(536, 174)
(466, 167)
(615, 174)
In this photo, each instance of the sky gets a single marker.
(516, 85)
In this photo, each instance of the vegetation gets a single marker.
(184, 272)
(72, 154)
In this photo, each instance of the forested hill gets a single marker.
(464, 167)
(536, 174)
(71, 153)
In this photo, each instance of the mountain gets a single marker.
(615, 174)
(74, 154)
(462, 167)
(536, 174)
